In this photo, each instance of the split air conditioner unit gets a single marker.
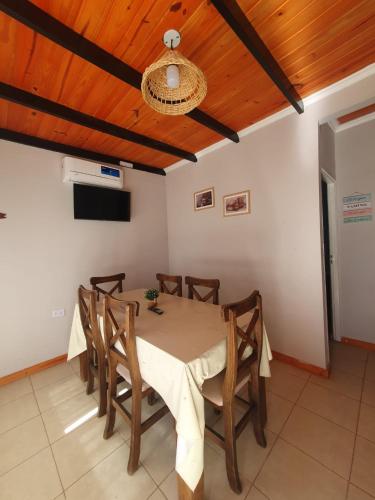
(94, 174)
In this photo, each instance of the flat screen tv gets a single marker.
(94, 203)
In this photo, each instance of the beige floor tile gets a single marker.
(77, 452)
(66, 416)
(341, 382)
(348, 359)
(250, 455)
(370, 368)
(157, 495)
(110, 480)
(286, 385)
(158, 449)
(51, 375)
(61, 497)
(366, 426)
(278, 367)
(278, 410)
(329, 404)
(21, 443)
(15, 390)
(54, 394)
(347, 351)
(363, 470)
(17, 412)
(355, 493)
(325, 441)
(255, 494)
(216, 486)
(289, 474)
(368, 395)
(35, 479)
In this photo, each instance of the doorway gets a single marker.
(327, 257)
(329, 253)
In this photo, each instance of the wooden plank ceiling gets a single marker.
(316, 42)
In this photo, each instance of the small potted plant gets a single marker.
(152, 295)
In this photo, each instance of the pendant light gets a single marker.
(173, 85)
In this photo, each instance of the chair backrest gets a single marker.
(164, 278)
(119, 327)
(239, 338)
(89, 319)
(213, 284)
(98, 280)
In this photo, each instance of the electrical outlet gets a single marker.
(58, 313)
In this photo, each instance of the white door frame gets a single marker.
(334, 259)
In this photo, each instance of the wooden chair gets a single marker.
(222, 390)
(95, 358)
(120, 344)
(98, 280)
(206, 283)
(163, 278)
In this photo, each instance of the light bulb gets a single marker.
(173, 76)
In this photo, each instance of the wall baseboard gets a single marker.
(369, 346)
(284, 358)
(12, 377)
(316, 370)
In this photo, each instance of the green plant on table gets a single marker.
(151, 294)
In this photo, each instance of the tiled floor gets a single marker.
(320, 433)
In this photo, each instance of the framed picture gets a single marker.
(236, 203)
(204, 199)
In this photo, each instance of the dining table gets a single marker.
(177, 351)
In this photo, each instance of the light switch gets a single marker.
(58, 313)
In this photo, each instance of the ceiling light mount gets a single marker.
(172, 39)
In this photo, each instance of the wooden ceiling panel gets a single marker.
(24, 120)
(311, 40)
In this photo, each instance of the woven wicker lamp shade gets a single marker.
(188, 95)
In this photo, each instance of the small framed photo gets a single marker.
(236, 203)
(204, 199)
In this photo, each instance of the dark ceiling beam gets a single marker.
(237, 20)
(41, 22)
(38, 103)
(29, 140)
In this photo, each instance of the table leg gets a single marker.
(83, 366)
(185, 493)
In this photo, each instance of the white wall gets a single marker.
(355, 172)
(45, 254)
(327, 150)
(277, 247)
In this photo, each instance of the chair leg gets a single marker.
(102, 388)
(135, 439)
(111, 410)
(258, 397)
(90, 375)
(262, 400)
(230, 449)
(151, 398)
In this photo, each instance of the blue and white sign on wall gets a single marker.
(357, 208)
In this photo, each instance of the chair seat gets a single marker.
(124, 372)
(212, 388)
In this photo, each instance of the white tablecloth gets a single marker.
(179, 384)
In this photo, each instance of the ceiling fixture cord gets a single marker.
(173, 85)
